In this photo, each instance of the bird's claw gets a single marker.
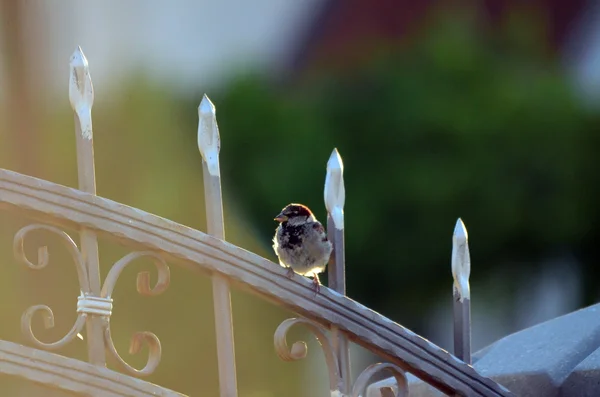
(316, 285)
(290, 272)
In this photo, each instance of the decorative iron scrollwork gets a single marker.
(42, 261)
(361, 383)
(48, 316)
(143, 278)
(143, 287)
(91, 305)
(299, 351)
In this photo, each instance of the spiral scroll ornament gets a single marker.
(299, 349)
(42, 261)
(143, 287)
(90, 305)
(360, 386)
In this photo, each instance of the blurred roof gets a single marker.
(342, 28)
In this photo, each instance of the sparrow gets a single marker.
(301, 243)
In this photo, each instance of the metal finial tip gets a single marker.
(335, 193)
(78, 59)
(81, 91)
(208, 135)
(335, 161)
(206, 106)
(460, 231)
(461, 260)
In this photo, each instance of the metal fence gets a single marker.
(333, 318)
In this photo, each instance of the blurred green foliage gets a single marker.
(458, 124)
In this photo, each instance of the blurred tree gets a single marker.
(465, 122)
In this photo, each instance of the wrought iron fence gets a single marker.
(332, 317)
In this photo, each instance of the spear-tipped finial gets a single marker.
(461, 260)
(208, 135)
(81, 91)
(335, 193)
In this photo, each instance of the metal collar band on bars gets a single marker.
(87, 304)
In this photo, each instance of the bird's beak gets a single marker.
(281, 218)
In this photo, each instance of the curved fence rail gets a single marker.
(53, 370)
(72, 208)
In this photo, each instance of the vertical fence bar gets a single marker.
(461, 270)
(335, 196)
(81, 96)
(209, 145)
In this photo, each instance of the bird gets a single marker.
(300, 243)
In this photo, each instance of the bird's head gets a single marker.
(295, 213)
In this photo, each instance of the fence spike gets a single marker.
(81, 96)
(335, 193)
(81, 91)
(461, 270)
(209, 145)
(209, 141)
(461, 261)
(334, 202)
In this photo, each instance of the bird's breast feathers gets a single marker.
(303, 247)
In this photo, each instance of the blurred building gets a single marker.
(342, 31)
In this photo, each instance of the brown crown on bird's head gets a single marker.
(294, 211)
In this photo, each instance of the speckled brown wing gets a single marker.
(318, 227)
